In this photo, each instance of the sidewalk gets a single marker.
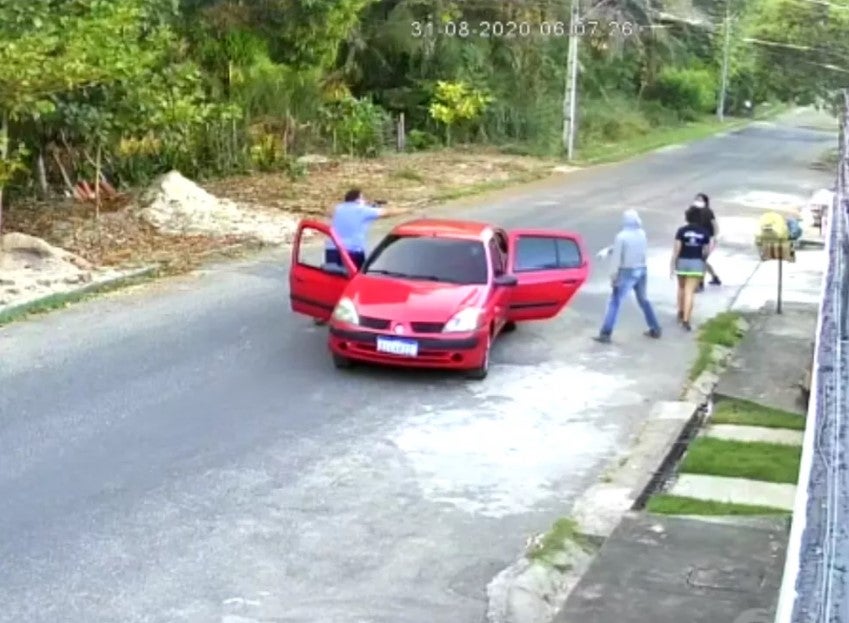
(720, 568)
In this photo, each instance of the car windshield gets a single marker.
(430, 258)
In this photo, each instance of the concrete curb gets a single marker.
(530, 592)
(73, 295)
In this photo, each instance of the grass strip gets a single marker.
(768, 462)
(554, 541)
(745, 413)
(664, 504)
(666, 136)
(60, 300)
(721, 330)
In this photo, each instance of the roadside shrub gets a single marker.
(354, 126)
(418, 140)
(689, 92)
(609, 121)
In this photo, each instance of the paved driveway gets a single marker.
(186, 452)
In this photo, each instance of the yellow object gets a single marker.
(773, 227)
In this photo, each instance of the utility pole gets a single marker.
(720, 108)
(570, 101)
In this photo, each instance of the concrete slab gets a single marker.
(735, 490)
(600, 509)
(732, 432)
(670, 569)
(784, 340)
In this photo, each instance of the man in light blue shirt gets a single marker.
(350, 222)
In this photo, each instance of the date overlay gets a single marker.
(463, 29)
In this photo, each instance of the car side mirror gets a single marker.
(505, 281)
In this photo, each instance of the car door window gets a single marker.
(568, 253)
(497, 258)
(534, 253)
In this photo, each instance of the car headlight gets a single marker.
(346, 312)
(464, 320)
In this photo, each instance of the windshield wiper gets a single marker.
(388, 273)
(432, 278)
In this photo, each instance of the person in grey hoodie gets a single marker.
(629, 273)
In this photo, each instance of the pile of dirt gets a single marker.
(178, 206)
(32, 268)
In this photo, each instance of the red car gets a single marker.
(435, 293)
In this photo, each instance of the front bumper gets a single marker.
(454, 351)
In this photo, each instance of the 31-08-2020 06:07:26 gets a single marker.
(511, 29)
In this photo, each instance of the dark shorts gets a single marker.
(331, 256)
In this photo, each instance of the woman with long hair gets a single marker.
(692, 244)
(708, 221)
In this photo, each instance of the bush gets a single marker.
(419, 140)
(355, 125)
(689, 92)
(611, 121)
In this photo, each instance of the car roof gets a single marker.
(445, 228)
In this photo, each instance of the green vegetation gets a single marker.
(745, 413)
(721, 330)
(563, 532)
(735, 459)
(133, 88)
(663, 504)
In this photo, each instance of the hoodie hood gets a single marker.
(631, 220)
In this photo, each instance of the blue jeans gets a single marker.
(629, 279)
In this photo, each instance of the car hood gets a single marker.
(422, 301)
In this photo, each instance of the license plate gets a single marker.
(405, 348)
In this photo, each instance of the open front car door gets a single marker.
(550, 267)
(315, 286)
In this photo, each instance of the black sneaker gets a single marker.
(602, 338)
(686, 326)
(701, 287)
(715, 282)
(653, 333)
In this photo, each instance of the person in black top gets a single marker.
(708, 222)
(692, 242)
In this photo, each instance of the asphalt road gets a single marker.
(185, 452)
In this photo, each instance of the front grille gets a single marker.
(427, 327)
(374, 323)
(383, 324)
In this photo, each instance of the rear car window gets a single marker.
(430, 258)
(545, 253)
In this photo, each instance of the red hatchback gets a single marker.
(435, 293)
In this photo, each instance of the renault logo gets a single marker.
(399, 329)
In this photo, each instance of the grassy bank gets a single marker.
(665, 504)
(768, 462)
(722, 330)
(600, 152)
(745, 413)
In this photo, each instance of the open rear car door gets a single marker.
(314, 286)
(550, 267)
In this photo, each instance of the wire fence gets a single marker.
(815, 587)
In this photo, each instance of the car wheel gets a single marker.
(509, 326)
(341, 363)
(480, 373)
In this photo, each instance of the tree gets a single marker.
(454, 102)
(52, 51)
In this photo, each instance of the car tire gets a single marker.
(509, 327)
(341, 363)
(481, 372)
